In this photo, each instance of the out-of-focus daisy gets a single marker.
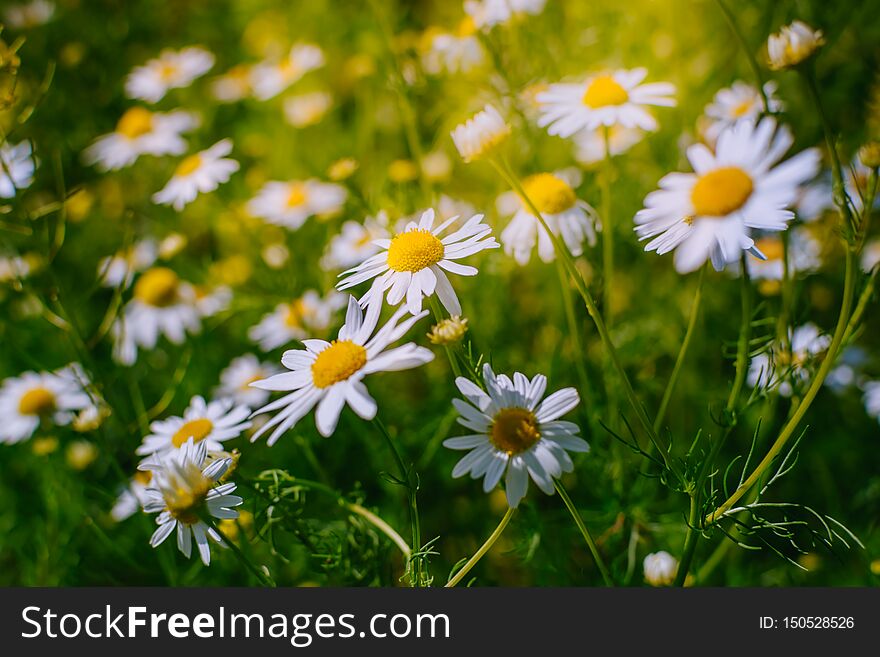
(872, 399)
(28, 14)
(773, 368)
(162, 305)
(449, 330)
(871, 255)
(172, 69)
(793, 44)
(411, 264)
(709, 214)
(132, 497)
(607, 99)
(342, 169)
(869, 154)
(590, 144)
(13, 268)
(481, 134)
(454, 52)
(289, 204)
(296, 320)
(515, 432)
(120, 269)
(307, 109)
(738, 101)
(140, 132)
(330, 375)
(486, 14)
(17, 164)
(211, 423)
(355, 242)
(32, 397)
(804, 255)
(660, 568)
(212, 300)
(232, 86)
(436, 166)
(184, 488)
(197, 174)
(269, 79)
(565, 214)
(236, 380)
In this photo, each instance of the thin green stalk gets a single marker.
(594, 550)
(785, 306)
(690, 541)
(864, 299)
(484, 548)
(682, 352)
(742, 345)
(264, 579)
(749, 52)
(608, 266)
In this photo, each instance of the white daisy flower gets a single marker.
(772, 368)
(236, 380)
(162, 305)
(209, 423)
(289, 204)
(872, 399)
(607, 99)
(565, 214)
(12, 268)
(183, 490)
(17, 165)
(210, 301)
(412, 263)
(330, 375)
(355, 242)
(307, 109)
(32, 397)
(481, 134)
(738, 101)
(804, 255)
(28, 14)
(120, 268)
(486, 14)
(516, 433)
(197, 174)
(794, 44)
(453, 52)
(660, 568)
(232, 86)
(140, 132)
(296, 320)
(132, 498)
(269, 79)
(590, 144)
(172, 69)
(871, 255)
(709, 214)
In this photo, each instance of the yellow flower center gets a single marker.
(338, 362)
(167, 71)
(188, 165)
(551, 195)
(743, 108)
(136, 122)
(185, 496)
(466, 27)
(197, 429)
(297, 195)
(770, 247)
(722, 191)
(36, 401)
(604, 91)
(514, 430)
(414, 250)
(143, 477)
(157, 287)
(296, 313)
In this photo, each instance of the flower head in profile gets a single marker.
(172, 69)
(268, 79)
(804, 255)
(236, 380)
(120, 268)
(307, 109)
(709, 214)
(566, 215)
(480, 135)
(606, 99)
(140, 132)
(184, 490)
(232, 86)
(304, 316)
(449, 330)
(17, 165)
(211, 423)
(775, 368)
(660, 568)
(516, 434)
(738, 101)
(455, 51)
(329, 375)
(31, 398)
(412, 264)
(793, 45)
(290, 204)
(197, 174)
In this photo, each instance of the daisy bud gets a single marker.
(869, 154)
(477, 136)
(448, 330)
(660, 568)
(793, 44)
(80, 454)
(342, 169)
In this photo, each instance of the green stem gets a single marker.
(749, 52)
(864, 299)
(682, 352)
(690, 541)
(264, 579)
(484, 548)
(742, 345)
(594, 550)
(608, 266)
